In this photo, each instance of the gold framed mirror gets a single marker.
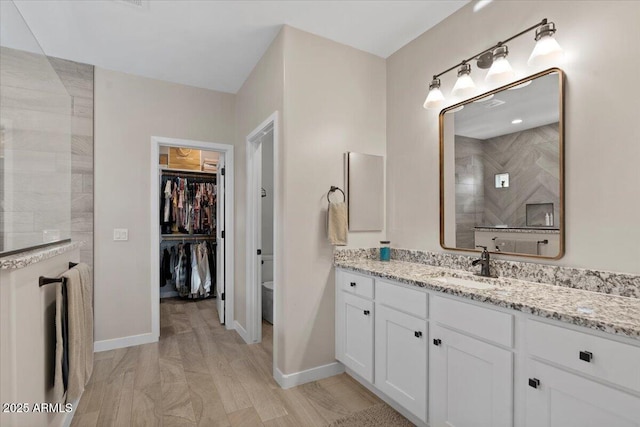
(502, 169)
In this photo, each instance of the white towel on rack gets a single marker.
(527, 247)
(80, 333)
(337, 223)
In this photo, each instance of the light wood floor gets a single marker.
(200, 374)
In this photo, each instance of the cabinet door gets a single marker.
(471, 382)
(401, 359)
(356, 332)
(558, 398)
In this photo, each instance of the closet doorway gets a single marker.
(191, 221)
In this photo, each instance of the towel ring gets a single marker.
(333, 189)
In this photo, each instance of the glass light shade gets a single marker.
(500, 71)
(464, 86)
(435, 98)
(546, 51)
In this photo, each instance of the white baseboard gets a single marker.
(242, 332)
(313, 374)
(130, 341)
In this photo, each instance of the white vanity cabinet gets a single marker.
(354, 324)
(580, 380)
(401, 338)
(446, 361)
(471, 381)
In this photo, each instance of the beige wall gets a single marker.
(334, 102)
(258, 98)
(128, 111)
(602, 127)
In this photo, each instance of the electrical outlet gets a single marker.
(120, 234)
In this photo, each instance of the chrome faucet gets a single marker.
(483, 261)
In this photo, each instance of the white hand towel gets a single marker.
(337, 223)
(527, 247)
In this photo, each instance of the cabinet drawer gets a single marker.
(599, 357)
(408, 300)
(356, 284)
(482, 322)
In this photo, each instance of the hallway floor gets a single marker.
(200, 374)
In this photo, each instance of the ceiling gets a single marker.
(215, 44)
(535, 105)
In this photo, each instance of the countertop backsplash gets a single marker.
(622, 284)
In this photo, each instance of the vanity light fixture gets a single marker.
(464, 85)
(516, 121)
(547, 48)
(495, 58)
(435, 98)
(500, 71)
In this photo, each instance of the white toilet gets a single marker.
(267, 288)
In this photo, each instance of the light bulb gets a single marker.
(435, 98)
(500, 71)
(464, 86)
(546, 51)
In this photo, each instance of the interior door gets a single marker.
(220, 247)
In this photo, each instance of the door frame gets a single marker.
(154, 240)
(253, 228)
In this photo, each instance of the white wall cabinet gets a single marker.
(556, 397)
(356, 334)
(401, 359)
(471, 381)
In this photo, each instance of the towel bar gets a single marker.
(47, 280)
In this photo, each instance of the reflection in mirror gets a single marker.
(501, 157)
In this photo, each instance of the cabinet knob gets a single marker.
(352, 284)
(418, 334)
(437, 341)
(586, 356)
(366, 312)
(534, 382)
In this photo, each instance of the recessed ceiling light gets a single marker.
(516, 121)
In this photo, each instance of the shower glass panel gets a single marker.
(35, 141)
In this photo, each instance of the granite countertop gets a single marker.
(24, 259)
(604, 312)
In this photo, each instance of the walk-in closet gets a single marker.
(190, 213)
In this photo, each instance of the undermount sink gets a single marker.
(467, 283)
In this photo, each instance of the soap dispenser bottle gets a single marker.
(547, 220)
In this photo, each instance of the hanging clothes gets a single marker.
(203, 268)
(165, 269)
(190, 268)
(187, 204)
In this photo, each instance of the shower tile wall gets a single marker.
(35, 158)
(469, 189)
(78, 80)
(531, 159)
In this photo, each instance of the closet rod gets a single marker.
(190, 174)
(187, 237)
